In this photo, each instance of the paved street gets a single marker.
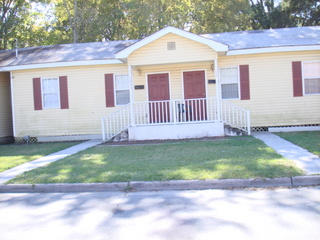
(209, 214)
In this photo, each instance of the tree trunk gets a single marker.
(75, 22)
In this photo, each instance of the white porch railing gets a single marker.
(175, 112)
(235, 116)
(115, 122)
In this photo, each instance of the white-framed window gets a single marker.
(311, 77)
(50, 92)
(229, 79)
(122, 89)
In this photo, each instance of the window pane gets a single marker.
(122, 97)
(50, 92)
(312, 85)
(229, 91)
(229, 75)
(50, 101)
(122, 82)
(50, 85)
(311, 70)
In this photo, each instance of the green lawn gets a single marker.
(307, 140)
(12, 155)
(237, 157)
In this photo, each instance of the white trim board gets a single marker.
(216, 46)
(294, 129)
(273, 49)
(61, 64)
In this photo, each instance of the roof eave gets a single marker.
(273, 49)
(61, 64)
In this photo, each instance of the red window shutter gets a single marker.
(37, 98)
(244, 82)
(109, 90)
(64, 100)
(297, 79)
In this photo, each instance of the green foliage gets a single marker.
(12, 13)
(220, 16)
(304, 13)
(46, 22)
(266, 15)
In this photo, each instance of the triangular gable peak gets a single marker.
(216, 46)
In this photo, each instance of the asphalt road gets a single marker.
(208, 214)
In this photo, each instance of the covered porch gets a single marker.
(175, 101)
(174, 90)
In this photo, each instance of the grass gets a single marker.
(307, 140)
(237, 157)
(12, 155)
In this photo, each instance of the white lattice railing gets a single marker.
(175, 112)
(235, 116)
(115, 122)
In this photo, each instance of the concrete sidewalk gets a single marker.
(309, 162)
(40, 162)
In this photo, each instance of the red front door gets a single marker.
(158, 89)
(195, 94)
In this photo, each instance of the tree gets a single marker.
(303, 13)
(11, 13)
(143, 17)
(220, 16)
(89, 20)
(265, 15)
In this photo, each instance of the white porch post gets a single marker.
(218, 89)
(132, 117)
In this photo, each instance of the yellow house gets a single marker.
(172, 84)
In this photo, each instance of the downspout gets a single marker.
(12, 105)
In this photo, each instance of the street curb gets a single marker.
(301, 181)
(288, 182)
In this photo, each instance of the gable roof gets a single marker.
(271, 38)
(215, 45)
(63, 53)
(234, 43)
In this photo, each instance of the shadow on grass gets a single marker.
(242, 157)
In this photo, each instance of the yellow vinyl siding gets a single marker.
(271, 92)
(186, 51)
(271, 89)
(86, 89)
(5, 106)
(175, 78)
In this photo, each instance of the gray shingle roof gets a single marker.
(268, 38)
(63, 53)
(106, 50)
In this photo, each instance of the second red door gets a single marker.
(195, 94)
